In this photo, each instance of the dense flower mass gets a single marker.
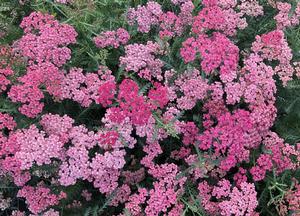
(44, 46)
(172, 112)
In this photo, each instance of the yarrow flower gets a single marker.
(4, 82)
(145, 16)
(234, 134)
(241, 201)
(216, 51)
(280, 157)
(285, 18)
(217, 17)
(30, 96)
(133, 105)
(44, 45)
(57, 125)
(7, 121)
(235, 201)
(193, 87)
(4, 203)
(39, 198)
(159, 95)
(36, 148)
(105, 170)
(49, 45)
(106, 93)
(141, 59)
(273, 46)
(293, 199)
(112, 38)
(250, 8)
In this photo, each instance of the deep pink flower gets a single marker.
(106, 93)
(159, 95)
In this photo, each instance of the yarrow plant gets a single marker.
(172, 112)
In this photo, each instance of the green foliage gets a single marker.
(11, 13)
(288, 98)
(192, 202)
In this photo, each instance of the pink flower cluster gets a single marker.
(5, 67)
(273, 47)
(250, 8)
(103, 169)
(216, 52)
(34, 147)
(193, 87)
(45, 39)
(145, 16)
(40, 198)
(169, 23)
(284, 19)
(112, 38)
(8, 60)
(176, 2)
(172, 24)
(230, 201)
(293, 199)
(4, 82)
(219, 15)
(141, 59)
(279, 158)
(44, 46)
(241, 201)
(83, 87)
(131, 105)
(166, 188)
(158, 96)
(106, 170)
(234, 134)
(6, 121)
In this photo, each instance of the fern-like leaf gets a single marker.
(293, 84)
